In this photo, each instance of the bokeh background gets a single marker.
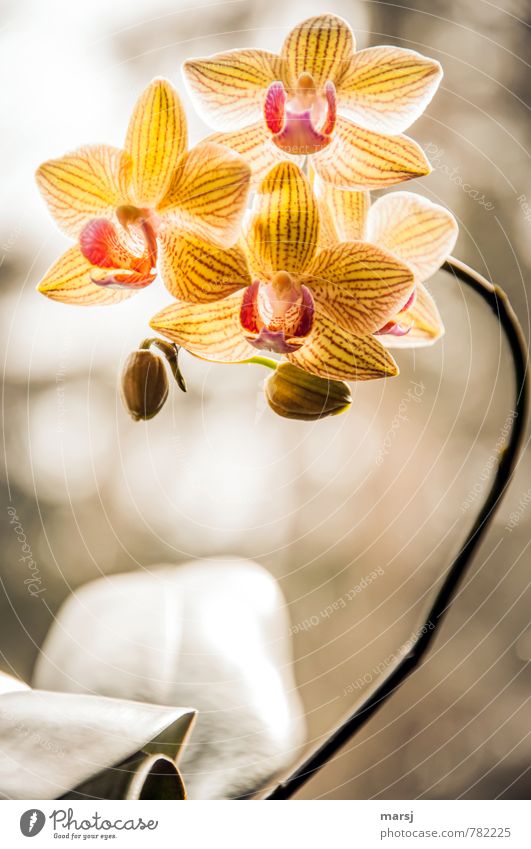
(322, 505)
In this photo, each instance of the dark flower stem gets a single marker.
(405, 664)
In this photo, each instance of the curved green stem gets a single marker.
(411, 657)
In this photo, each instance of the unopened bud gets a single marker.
(144, 384)
(297, 394)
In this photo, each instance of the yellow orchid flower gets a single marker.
(125, 207)
(416, 231)
(318, 307)
(321, 98)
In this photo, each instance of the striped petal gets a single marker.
(359, 286)
(321, 46)
(422, 320)
(336, 354)
(69, 280)
(284, 227)
(255, 145)
(419, 232)
(197, 271)
(156, 137)
(211, 331)
(229, 88)
(386, 89)
(208, 193)
(88, 183)
(343, 213)
(361, 159)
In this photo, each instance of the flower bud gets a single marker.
(144, 384)
(297, 394)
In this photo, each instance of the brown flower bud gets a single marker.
(297, 394)
(144, 385)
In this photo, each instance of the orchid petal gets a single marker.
(88, 183)
(208, 193)
(255, 145)
(385, 89)
(284, 227)
(156, 137)
(422, 320)
(362, 159)
(197, 271)
(321, 46)
(229, 88)
(343, 213)
(336, 354)
(211, 331)
(359, 286)
(70, 280)
(419, 232)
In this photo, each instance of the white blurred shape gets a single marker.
(212, 634)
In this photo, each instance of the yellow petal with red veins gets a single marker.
(208, 193)
(156, 137)
(359, 286)
(229, 88)
(197, 271)
(88, 183)
(338, 355)
(343, 213)
(361, 159)
(211, 331)
(284, 227)
(321, 46)
(424, 321)
(419, 232)
(69, 281)
(385, 89)
(255, 145)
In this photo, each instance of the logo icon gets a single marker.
(31, 822)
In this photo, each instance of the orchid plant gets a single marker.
(311, 272)
(267, 240)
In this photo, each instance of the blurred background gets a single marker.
(390, 488)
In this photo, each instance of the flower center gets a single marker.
(302, 120)
(277, 315)
(129, 249)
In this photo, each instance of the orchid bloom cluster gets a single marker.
(264, 233)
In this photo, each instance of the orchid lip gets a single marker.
(277, 316)
(275, 341)
(298, 125)
(131, 251)
(392, 328)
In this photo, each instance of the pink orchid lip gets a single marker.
(294, 128)
(392, 328)
(410, 301)
(133, 249)
(277, 316)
